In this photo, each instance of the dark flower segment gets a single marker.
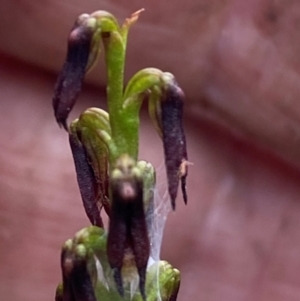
(174, 140)
(127, 227)
(86, 181)
(70, 79)
(104, 146)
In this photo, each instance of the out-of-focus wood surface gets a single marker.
(237, 60)
(237, 240)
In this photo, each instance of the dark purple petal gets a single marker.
(183, 185)
(128, 228)
(174, 140)
(70, 79)
(76, 276)
(81, 281)
(140, 242)
(67, 294)
(86, 181)
(117, 242)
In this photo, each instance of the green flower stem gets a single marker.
(114, 39)
(124, 135)
(121, 131)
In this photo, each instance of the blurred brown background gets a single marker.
(238, 62)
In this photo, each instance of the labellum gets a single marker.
(127, 226)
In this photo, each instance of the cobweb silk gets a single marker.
(162, 207)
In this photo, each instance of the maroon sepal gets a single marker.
(77, 284)
(128, 229)
(70, 79)
(86, 181)
(174, 140)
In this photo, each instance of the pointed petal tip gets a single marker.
(173, 204)
(142, 281)
(63, 124)
(183, 173)
(183, 190)
(119, 281)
